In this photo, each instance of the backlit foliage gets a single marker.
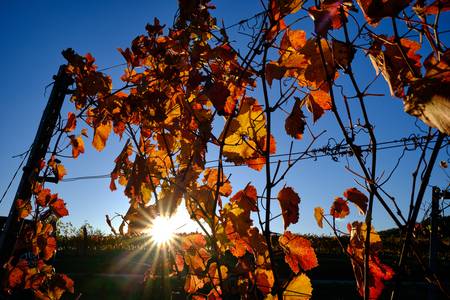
(187, 91)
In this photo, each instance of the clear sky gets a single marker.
(33, 34)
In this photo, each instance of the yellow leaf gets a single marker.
(318, 214)
(299, 288)
(101, 134)
(245, 130)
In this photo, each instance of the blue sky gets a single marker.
(33, 35)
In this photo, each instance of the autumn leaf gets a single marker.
(15, 277)
(60, 171)
(298, 288)
(193, 283)
(294, 39)
(24, 208)
(318, 215)
(339, 209)
(43, 197)
(245, 131)
(427, 97)
(289, 201)
(218, 93)
(317, 103)
(71, 122)
(358, 198)
(378, 272)
(375, 10)
(298, 252)
(396, 70)
(295, 123)
(343, 53)
(49, 248)
(246, 198)
(77, 145)
(274, 71)
(264, 280)
(101, 134)
(327, 17)
(286, 7)
(59, 208)
(210, 177)
(213, 273)
(314, 75)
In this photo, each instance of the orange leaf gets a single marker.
(77, 145)
(295, 39)
(193, 283)
(24, 208)
(295, 122)
(339, 209)
(317, 103)
(289, 201)
(101, 134)
(358, 198)
(60, 171)
(59, 208)
(50, 248)
(298, 252)
(43, 197)
(318, 215)
(71, 122)
(246, 198)
(397, 71)
(210, 177)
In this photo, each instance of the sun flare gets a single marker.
(162, 230)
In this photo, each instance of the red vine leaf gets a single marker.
(295, 123)
(289, 201)
(378, 272)
(375, 10)
(339, 209)
(358, 198)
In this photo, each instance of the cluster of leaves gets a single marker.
(180, 82)
(378, 272)
(29, 271)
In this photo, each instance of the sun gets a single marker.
(162, 230)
